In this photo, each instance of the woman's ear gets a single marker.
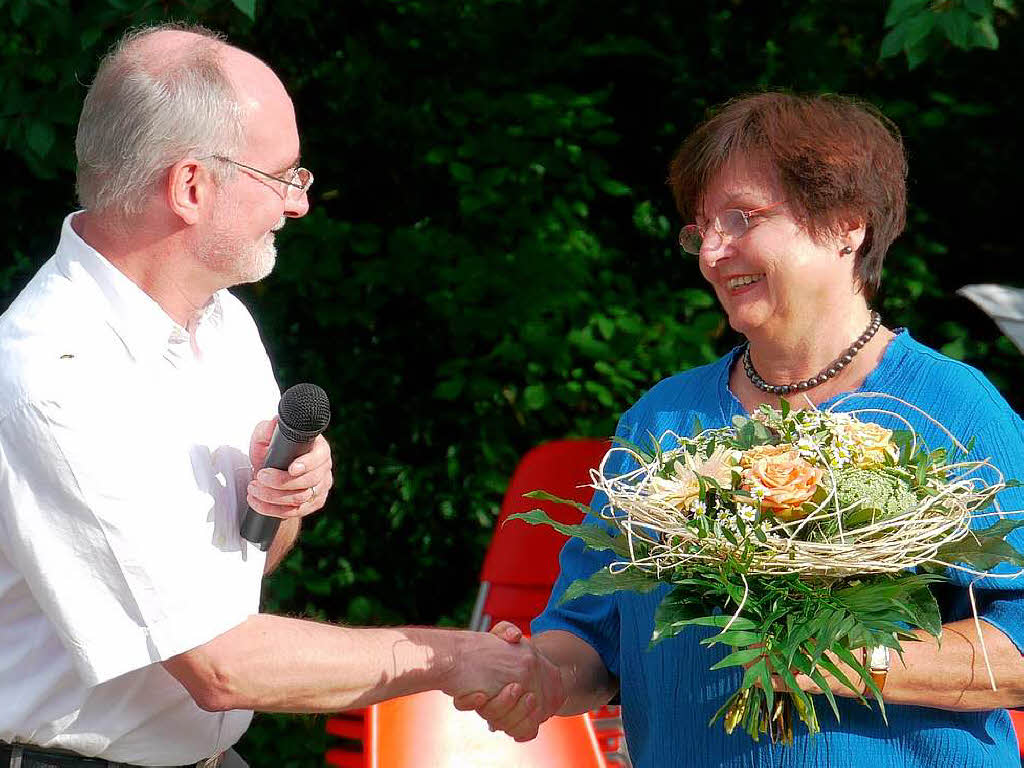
(852, 239)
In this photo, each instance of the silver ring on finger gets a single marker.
(312, 493)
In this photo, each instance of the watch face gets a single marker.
(878, 657)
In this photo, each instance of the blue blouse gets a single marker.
(668, 693)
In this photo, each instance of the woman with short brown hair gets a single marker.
(791, 203)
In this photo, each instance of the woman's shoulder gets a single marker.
(948, 391)
(698, 390)
(919, 367)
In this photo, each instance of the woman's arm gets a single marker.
(953, 676)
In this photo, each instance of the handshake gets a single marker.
(508, 681)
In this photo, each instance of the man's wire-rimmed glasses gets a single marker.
(732, 222)
(296, 185)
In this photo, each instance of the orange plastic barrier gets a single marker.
(520, 567)
(427, 730)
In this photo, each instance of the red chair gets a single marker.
(1017, 718)
(522, 561)
(351, 728)
(516, 579)
(521, 564)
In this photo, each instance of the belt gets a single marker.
(25, 756)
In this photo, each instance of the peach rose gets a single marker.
(681, 488)
(782, 480)
(764, 451)
(871, 443)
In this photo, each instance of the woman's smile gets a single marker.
(742, 283)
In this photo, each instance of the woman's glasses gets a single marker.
(732, 223)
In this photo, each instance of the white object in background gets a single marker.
(1003, 304)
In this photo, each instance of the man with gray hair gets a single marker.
(130, 381)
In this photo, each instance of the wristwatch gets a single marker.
(878, 664)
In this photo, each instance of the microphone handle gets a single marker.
(261, 529)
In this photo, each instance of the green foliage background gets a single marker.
(490, 259)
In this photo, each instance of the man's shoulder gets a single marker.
(47, 326)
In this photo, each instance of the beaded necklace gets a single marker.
(828, 372)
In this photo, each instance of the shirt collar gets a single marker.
(142, 324)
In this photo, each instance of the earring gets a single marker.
(846, 251)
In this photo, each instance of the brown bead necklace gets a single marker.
(830, 371)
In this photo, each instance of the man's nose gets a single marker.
(297, 207)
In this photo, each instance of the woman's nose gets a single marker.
(712, 247)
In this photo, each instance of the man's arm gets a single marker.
(284, 540)
(277, 664)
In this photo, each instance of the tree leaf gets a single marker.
(40, 137)
(902, 9)
(892, 43)
(535, 397)
(983, 34)
(248, 7)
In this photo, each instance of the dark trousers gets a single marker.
(23, 756)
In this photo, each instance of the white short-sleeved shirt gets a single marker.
(123, 466)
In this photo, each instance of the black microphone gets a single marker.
(303, 413)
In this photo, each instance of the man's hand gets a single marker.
(508, 682)
(296, 492)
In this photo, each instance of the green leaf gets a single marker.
(956, 23)
(803, 664)
(983, 34)
(545, 496)
(902, 9)
(460, 172)
(979, 7)
(783, 671)
(594, 536)
(926, 611)
(740, 658)
(613, 188)
(850, 660)
(604, 582)
(449, 389)
(986, 548)
(916, 54)
(535, 397)
(40, 137)
(675, 612)
(722, 621)
(892, 43)
(827, 664)
(918, 28)
(248, 7)
(734, 637)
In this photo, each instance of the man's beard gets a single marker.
(238, 260)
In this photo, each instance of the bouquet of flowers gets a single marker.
(804, 536)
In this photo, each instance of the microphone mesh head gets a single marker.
(304, 412)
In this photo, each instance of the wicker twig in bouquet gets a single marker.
(804, 536)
